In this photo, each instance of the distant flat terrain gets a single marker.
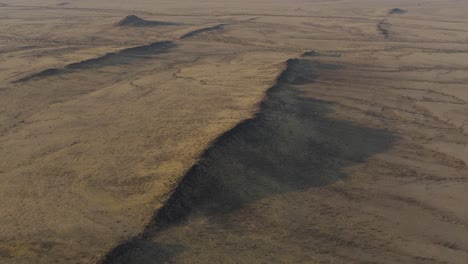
(235, 132)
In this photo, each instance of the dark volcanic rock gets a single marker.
(135, 21)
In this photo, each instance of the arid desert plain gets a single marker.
(261, 131)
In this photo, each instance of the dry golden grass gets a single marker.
(364, 163)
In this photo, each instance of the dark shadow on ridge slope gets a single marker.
(122, 57)
(202, 30)
(290, 145)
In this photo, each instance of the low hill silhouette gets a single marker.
(396, 11)
(135, 21)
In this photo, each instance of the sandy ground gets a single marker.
(357, 154)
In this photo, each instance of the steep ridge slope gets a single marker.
(288, 147)
(122, 57)
(202, 30)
